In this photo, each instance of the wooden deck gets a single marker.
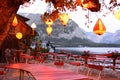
(13, 74)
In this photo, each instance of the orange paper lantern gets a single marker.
(99, 27)
(15, 21)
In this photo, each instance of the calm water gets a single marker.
(99, 50)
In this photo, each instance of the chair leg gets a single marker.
(30, 77)
(3, 75)
(78, 69)
(88, 72)
(99, 75)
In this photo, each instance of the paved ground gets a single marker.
(106, 74)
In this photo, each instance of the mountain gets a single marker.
(70, 35)
(99, 38)
(112, 37)
(108, 37)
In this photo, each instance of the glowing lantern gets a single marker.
(64, 18)
(19, 35)
(33, 26)
(49, 30)
(117, 15)
(15, 21)
(49, 21)
(99, 27)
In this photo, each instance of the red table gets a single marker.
(42, 72)
(26, 57)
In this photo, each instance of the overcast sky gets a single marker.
(110, 22)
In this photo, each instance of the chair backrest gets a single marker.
(2, 72)
(103, 55)
(99, 68)
(74, 63)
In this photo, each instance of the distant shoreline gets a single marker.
(93, 50)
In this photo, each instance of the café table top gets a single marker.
(43, 72)
(26, 56)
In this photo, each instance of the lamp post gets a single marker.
(33, 26)
(40, 35)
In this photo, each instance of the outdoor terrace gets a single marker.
(74, 63)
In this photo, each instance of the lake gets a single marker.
(97, 50)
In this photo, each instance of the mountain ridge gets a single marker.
(71, 35)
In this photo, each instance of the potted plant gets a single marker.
(85, 55)
(114, 56)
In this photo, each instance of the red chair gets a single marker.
(51, 57)
(91, 67)
(2, 72)
(40, 59)
(75, 64)
(59, 63)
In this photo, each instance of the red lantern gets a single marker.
(99, 27)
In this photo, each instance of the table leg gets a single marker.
(21, 74)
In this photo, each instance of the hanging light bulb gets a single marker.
(15, 21)
(99, 27)
(117, 14)
(19, 35)
(33, 25)
(64, 18)
(49, 30)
